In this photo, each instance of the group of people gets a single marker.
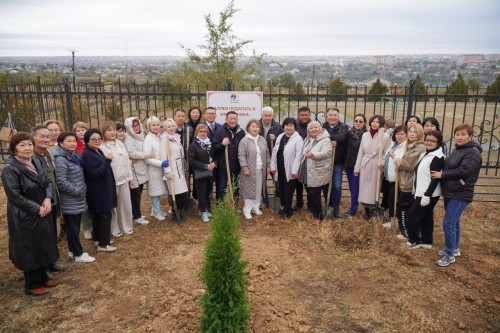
(95, 177)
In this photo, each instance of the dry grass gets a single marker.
(341, 276)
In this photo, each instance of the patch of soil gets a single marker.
(346, 275)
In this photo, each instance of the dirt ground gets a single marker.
(347, 275)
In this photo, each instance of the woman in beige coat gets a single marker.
(121, 221)
(367, 162)
(406, 165)
(175, 173)
(134, 141)
(316, 166)
(253, 156)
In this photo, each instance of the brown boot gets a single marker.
(37, 292)
(50, 283)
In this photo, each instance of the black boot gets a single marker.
(367, 213)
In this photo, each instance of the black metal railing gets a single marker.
(34, 102)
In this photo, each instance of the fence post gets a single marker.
(40, 99)
(411, 91)
(229, 85)
(69, 103)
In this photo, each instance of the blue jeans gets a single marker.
(337, 187)
(155, 204)
(451, 224)
(354, 188)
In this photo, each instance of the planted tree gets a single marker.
(223, 57)
(224, 303)
(420, 90)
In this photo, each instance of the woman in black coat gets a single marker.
(32, 243)
(201, 158)
(459, 175)
(353, 142)
(101, 189)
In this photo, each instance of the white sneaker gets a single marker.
(426, 246)
(456, 253)
(141, 220)
(387, 225)
(248, 216)
(118, 235)
(84, 258)
(108, 248)
(159, 217)
(87, 234)
(256, 212)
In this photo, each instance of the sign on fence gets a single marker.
(248, 105)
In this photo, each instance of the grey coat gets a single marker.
(319, 168)
(247, 156)
(70, 182)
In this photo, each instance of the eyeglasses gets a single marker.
(430, 141)
(135, 125)
(96, 139)
(358, 121)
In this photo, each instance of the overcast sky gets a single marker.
(277, 27)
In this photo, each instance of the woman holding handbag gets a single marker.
(201, 160)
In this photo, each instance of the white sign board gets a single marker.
(247, 104)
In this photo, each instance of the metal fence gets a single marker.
(32, 103)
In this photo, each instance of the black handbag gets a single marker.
(202, 174)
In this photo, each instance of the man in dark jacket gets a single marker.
(213, 126)
(183, 129)
(227, 137)
(304, 118)
(269, 130)
(41, 137)
(338, 135)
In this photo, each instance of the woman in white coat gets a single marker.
(134, 141)
(316, 166)
(156, 185)
(367, 162)
(285, 163)
(121, 221)
(175, 173)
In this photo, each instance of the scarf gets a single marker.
(357, 133)
(205, 144)
(373, 131)
(28, 164)
(77, 159)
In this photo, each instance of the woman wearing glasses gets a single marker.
(426, 193)
(353, 142)
(134, 141)
(101, 190)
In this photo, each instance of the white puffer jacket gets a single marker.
(134, 144)
(423, 174)
(156, 185)
(176, 161)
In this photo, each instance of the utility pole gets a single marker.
(73, 67)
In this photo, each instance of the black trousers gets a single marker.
(314, 201)
(286, 190)
(388, 192)
(35, 278)
(101, 227)
(135, 199)
(204, 188)
(405, 200)
(73, 233)
(180, 200)
(299, 191)
(421, 221)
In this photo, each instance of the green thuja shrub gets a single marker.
(224, 303)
